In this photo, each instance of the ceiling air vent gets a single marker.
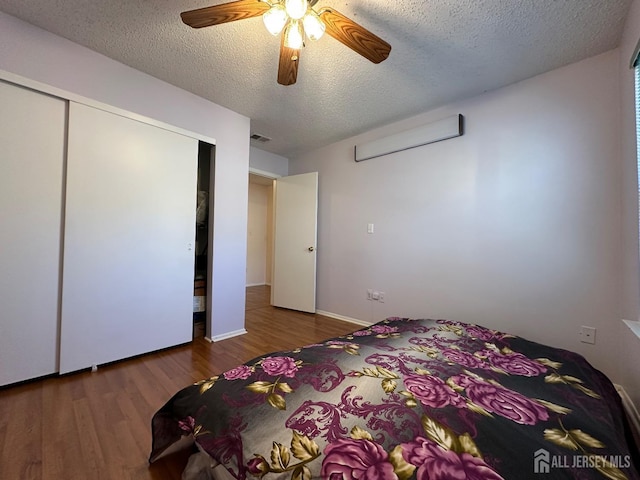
(260, 138)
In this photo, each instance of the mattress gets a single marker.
(406, 399)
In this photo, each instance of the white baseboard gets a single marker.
(224, 336)
(343, 318)
(630, 409)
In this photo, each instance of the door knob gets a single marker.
(311, 249)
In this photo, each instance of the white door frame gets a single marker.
(263, 173)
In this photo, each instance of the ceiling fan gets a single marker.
(295, 20)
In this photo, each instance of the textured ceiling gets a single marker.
(442, 50)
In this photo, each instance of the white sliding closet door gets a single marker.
(32, 138)
(129, 235)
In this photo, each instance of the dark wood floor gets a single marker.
(97, 425)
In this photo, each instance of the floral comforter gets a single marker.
(407, 399)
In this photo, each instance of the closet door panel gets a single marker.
(129, 235)
(32, 139)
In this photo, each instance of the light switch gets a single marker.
(370, 228)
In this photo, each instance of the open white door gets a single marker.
(293, 284)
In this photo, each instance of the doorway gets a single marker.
(281, 239)
(259, 231)
(202, 256)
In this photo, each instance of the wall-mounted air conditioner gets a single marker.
(443, 129)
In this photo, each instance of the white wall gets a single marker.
(38, 55)
(515, 225)
(267, 162)
(257, 234)
(629, 349)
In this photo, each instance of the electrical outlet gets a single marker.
(376, 296)
(587, 334)
(381, 297)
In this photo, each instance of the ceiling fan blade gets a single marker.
(288, 65)
(354, 36)
(227, 12)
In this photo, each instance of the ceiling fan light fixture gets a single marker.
(296, 8)
(293, 35)
(298, 16)
(275, 19)
(313, 26)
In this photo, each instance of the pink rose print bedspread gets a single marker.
(407, 399)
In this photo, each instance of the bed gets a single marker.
(406, 399)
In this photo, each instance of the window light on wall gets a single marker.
(635, 65)
(634, 325)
